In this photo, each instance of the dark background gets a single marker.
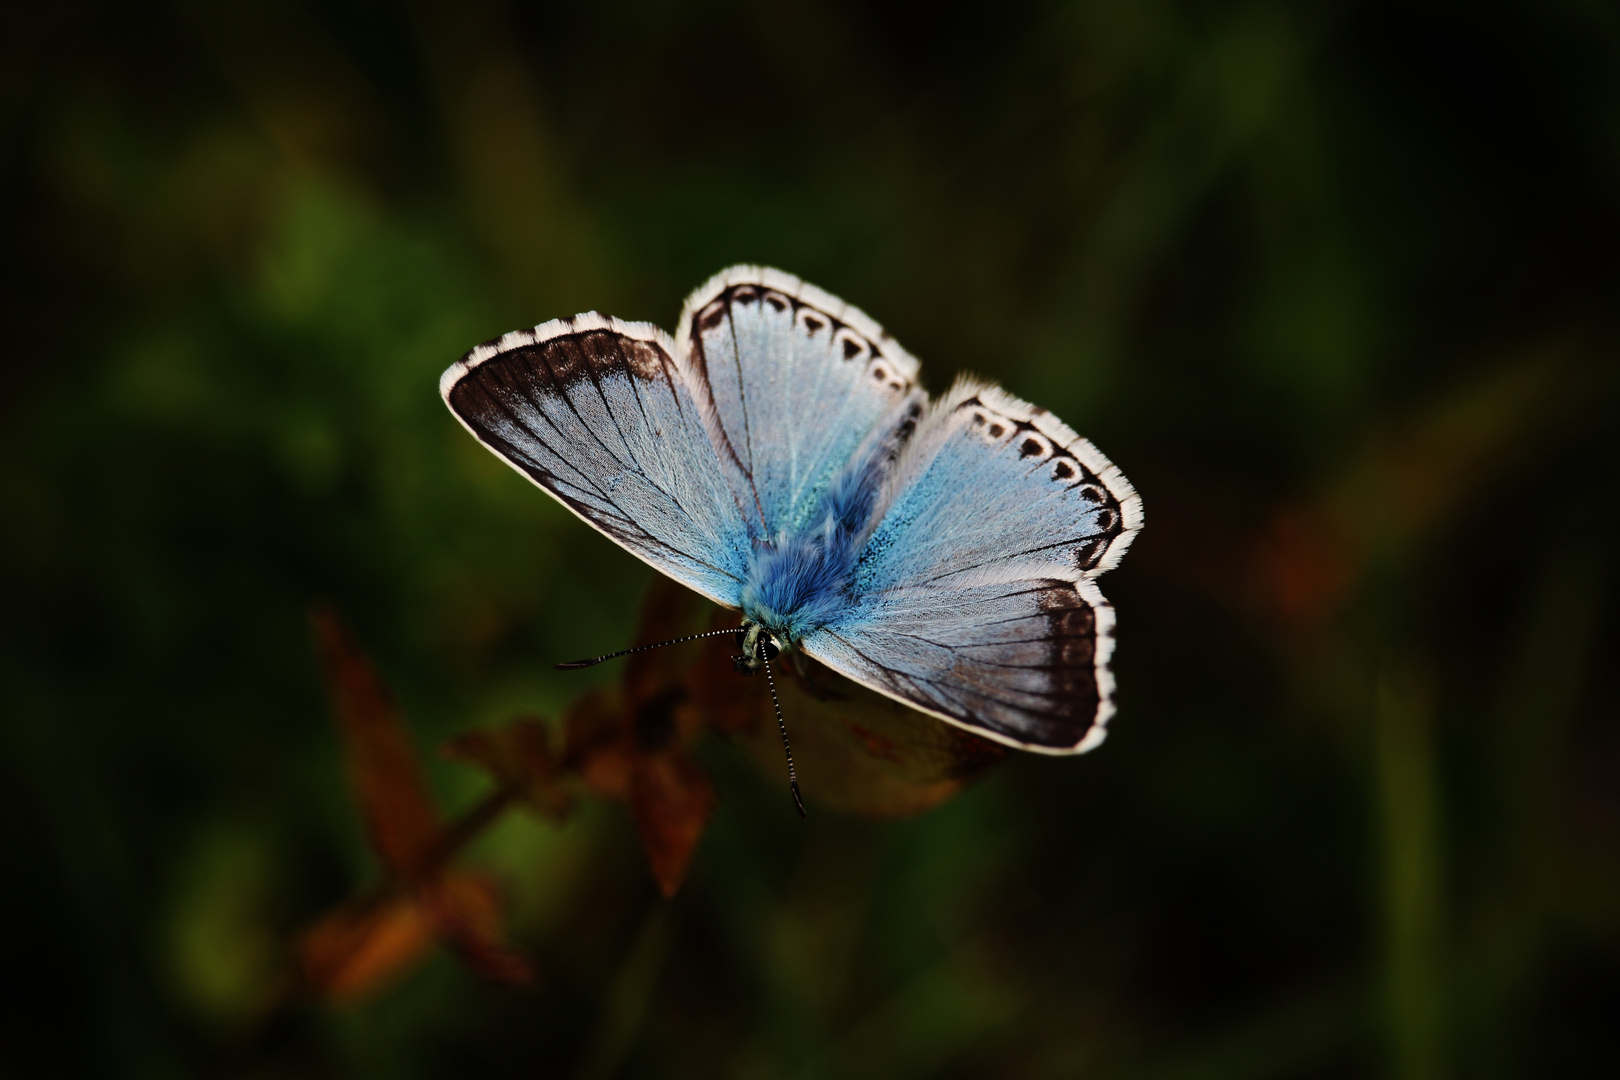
(1333, 283)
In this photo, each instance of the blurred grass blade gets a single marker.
(1409, 807)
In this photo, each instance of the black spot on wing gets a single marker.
(554, 365)
(813, 319)
(1088, 553)
(711, 317)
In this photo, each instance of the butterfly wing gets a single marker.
(799, 381)
(603, 416)
(974, 599)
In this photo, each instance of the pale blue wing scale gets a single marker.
(799, 382)
(973, 596)
(1023, 662)
(599, 414)
(991, 484)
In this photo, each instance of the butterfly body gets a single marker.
(802, 580)
(778, 457)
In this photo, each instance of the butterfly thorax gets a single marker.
(797, 584)
(801, 581)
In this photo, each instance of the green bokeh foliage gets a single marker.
(1333, 283)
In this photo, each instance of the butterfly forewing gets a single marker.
(799, 382)
(599, 414)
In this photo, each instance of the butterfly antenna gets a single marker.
(781, 725)
(575, 665)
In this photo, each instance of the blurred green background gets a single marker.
(1334, 283)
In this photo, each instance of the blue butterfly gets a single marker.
(778, 457)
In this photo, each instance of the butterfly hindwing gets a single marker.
(799, 381)
(600, 414)
(973, 596)
(1023, 661)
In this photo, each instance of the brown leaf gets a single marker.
(856, 750)
(669, 611)
(638, 756)
(382, 764)
(671, 799)
(732, 703)
(519, 757)
(631, 744)
(360, 947)
(464, 910)
(597, 744)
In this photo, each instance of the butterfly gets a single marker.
(778, 456)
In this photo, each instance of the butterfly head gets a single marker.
(758, 646)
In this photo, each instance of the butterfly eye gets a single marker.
(768, 649)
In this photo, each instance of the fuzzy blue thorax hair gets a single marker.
(799, 581)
